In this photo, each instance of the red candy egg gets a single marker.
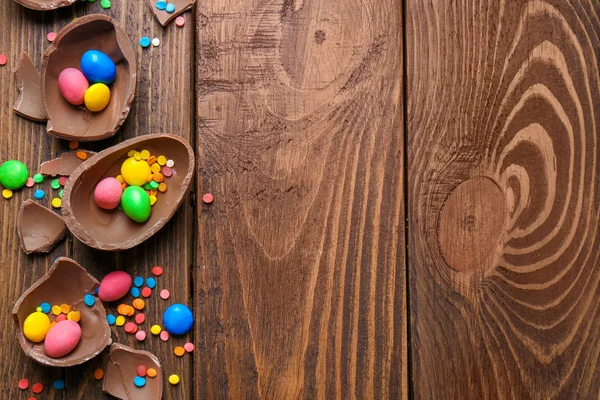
(73, 85)
(114, 286)
(62, 338)
(108, 193)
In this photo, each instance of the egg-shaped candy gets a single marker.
(13, 174)
(97, 97)
(73, 85)
(62, 338)
(36, 326)
(135, 172)
(98, 67)
(136, 203)
(114, 286)
(107, 193)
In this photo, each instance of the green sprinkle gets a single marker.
(60, 194)
(154, 185)
(38, 178)
(105, 4)
(147, 186)
(55, 184)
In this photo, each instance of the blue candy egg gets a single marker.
(98, 67)
(178, 319)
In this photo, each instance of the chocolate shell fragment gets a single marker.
(113, 230)
(65, 164)
(97, 32)
(66, 282)
(122, 370)
(45, 5)
(29, 103)
(40, 228)
(164, 17)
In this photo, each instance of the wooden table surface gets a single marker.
(406, 199)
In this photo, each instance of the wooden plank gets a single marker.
(163, 104)
(300, 259)
(502, 121)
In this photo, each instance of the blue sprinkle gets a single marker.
(170, 8)
(96, 290)
(135, 292)
(111, 319)
(89, 300)
(161, 5)
(39, 194)
(46, 307)
(145, 41)
(139, 381)
(138, 281)
(59, 384)
(151, 283)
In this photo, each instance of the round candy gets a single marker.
(13, 174)
(139, 381)
(107, 193)
(114, 285)
(161, 4)
(170, 8)
(89, 300)
(73, 85)
(111, 319)
(164, 336)
(140, 336)
(23, 384)
(136, 203)
(36, 327)
(155, 329)
(145, 41)
(151, 372)
(189, 347)
(135, 172)
(38, 178)
(60, 317)
(7, 193)
(39, 194)
(62, 338)
(178, 319)
(98, 67)
(97, 97)
(151, 283)
(174, 379)
(141, 370)
(59, 384)
(135, 292)
(138, 281)
(46, 307)
(30, 182)
(164, 294)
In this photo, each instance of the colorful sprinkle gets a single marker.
(51, 36)
(170, 8)
(180, 21)
(140, 336)
(73, 145)
(155, 330)
(161, 5)
(56, 310)
(23, 384)
(156, 42)
(45, 307)
(55, 184)
(151, 372)
(89, 300)
(139, 304)
(151, 283)
(38, 178)
(189, 347)
(37, 388)
(105, 4)
(138, 281)
(30, 182)
(140, 318)
(99, 374)
(61, 317)
(120, 321)
(59, 384)
(157, 270)
(164, 336)
(141, 370)
(81, 155)
(170, 163)
(179, 351)
(167, 171)
(111, 319)
(145, 42)
(130, 327)
(3, 59)
(165, 294)
(161, 160)
(153, 200)
(56, 202)
(146, 292)
(60, 194)
(162, 187)
(174, 379)
(74, 316)
(7, 193)
(135, 292)
(63, 180)
(39, 194)
(208, 198)
(139, 381)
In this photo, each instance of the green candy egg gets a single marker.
(13, 174)
(136, 203)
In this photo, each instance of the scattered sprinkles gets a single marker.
(189, 347)
(7, 193)
(39, 194)
(23, 384)
(130, 327)
(59, 384)
(51, 36)
(82, 155)
(135, 292)
(55, 184)
(179, 351)
(73, 145)
(174, 379)
(37, 388)
(208, 198)
(164, 336)
(146, 292)
(105, 4)
(165, 294)
(170, 8)
(156, 42)
(155, 329)
(99, 374)
(30, 182)
(56, 202)
(140, 318)
(3, 59)
(151, 283)
(89, 300)
(161, 5)
(38, 178)
(139, 381)
(138, 281)
(145, 41)
(157, 271)
(111, 319)
(46, 307)
(142, 370)
(151, 372)
(139, 304)
(141, 336)
(120, 321)
(180, 21)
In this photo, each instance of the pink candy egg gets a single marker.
(62, 338)
(114, 286)
(108, 193)
(73, 85)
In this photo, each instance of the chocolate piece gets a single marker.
(29, 103)
(66, 282)
(164, 17)
(70, 122)
(121, 370)
(113, 230)
(65, 164)
(45, 5)
(39, 228)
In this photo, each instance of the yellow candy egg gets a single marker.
(97, 97)
(36, 326)
(135, 172)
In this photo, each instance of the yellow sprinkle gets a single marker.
(56, 202)
(65, 308)
(130, 153)
(155, 168)
(155, 329)
(120, 321)
(120, 179)
(39, 309)
(74, 316)
(162, 187)
(56, 310)
(162, 160)
(137, 156)
(173, 379)
(152, 200)
(145, 154)
(7, 193)
(151, 372)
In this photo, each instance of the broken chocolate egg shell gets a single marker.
(165, 17)
(66, 282)
(40, 228)
(121, 370)
(65, 164)
(45, 5)
(92, 32)
(29, 103)
(112, 230)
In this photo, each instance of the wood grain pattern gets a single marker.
(503, 100)
(163, 104)
(300, 263)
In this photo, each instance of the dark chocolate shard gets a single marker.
(66, 282)
(40, 228)
(29, 103)
(65, 164)
(45, 5)
(164, 17)
(121, 370)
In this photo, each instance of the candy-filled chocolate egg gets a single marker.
(98, 47)
(122, 229)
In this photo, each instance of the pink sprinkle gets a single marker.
(63, 180)
(3, 59)
(189, 347)
(168, 172)
(140, 335)
(30, 182)
(164, 336)
(180, 21)
(165, 294)
(51, 36)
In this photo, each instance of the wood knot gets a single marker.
(320, 36)
(471, 224)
